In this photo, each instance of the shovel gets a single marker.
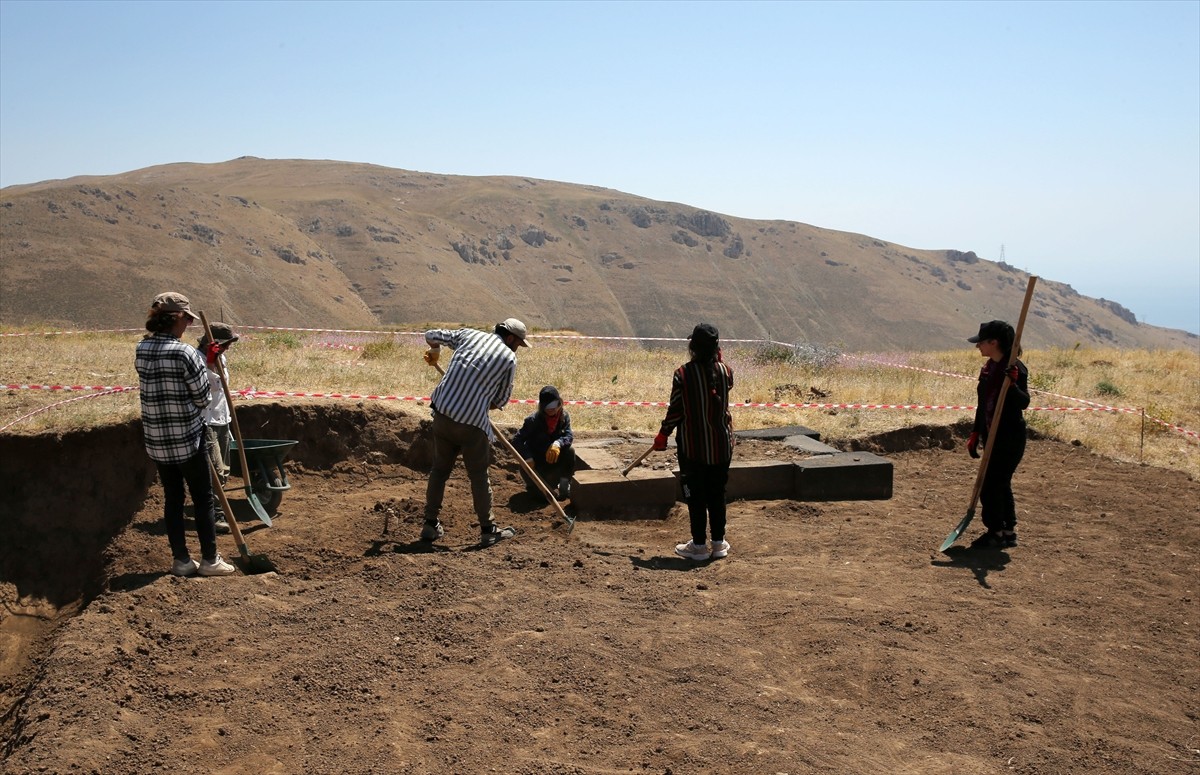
(991, 439)
(634, 464)
(250, 563)
(259, 511)
(528, 470)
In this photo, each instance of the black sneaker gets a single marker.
(432, 531)
(497, 534)
(988, 540)
(564, 488)
(1010, 539)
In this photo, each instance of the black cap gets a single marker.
(704, 333)
(993, 329)
(222, 334)
(549, 395)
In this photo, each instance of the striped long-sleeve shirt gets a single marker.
(699, 407)
(173, 387)
(478, 377)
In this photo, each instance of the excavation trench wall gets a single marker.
(64, 496)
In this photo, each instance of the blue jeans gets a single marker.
(451, 438)
(193, 472)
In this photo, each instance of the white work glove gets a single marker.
(431, 355)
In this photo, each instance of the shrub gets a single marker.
(813, 355)
(282, 340)
(1043, 380)
(772, 353)
(1106, 388)
(379, 350)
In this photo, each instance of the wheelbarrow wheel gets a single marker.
(266, 496)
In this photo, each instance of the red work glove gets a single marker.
(973, 444)
(660, 442)
(1013, 373)
(211, 351)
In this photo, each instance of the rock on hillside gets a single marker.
(333, 244)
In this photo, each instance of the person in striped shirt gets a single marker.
(478, 378)
(699, 408)
(173, 388)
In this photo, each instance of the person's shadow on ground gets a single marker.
(979, 561)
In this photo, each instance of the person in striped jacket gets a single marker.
(478, 378)
(699, 408)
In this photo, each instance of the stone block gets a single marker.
(810, 445)
(591, 458)
(777, 434)
(844, 476)
(760, 480)
(645, 493)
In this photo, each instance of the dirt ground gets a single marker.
(833, 639)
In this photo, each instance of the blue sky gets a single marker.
(1069, 132)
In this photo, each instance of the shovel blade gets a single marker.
(257, 507)
(957, 532)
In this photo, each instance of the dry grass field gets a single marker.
(799, 385)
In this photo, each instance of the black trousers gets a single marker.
(550, 473)
(996, 496)
(193, 473)
(704, 493)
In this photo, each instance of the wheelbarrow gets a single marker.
(268, 479)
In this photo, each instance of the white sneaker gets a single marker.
(720, 549)
(186, 567)
(218, 567)
(690, 551)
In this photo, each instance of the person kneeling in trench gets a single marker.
(545, 441)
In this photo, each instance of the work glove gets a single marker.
(973, 444)
(1013, 373)
(212, 351)
(552, 454)
(660, 442)
(431, 355)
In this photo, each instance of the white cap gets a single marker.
(517, 329)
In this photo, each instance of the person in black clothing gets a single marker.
(994, 342)
(699, 408)
(545, 442)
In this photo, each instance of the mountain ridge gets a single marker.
(334, 244)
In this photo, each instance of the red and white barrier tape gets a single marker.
(55, 405)
(59, 333)
(252, 393)
(70, 388)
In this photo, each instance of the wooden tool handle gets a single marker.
(634, 464)
(1012, 358)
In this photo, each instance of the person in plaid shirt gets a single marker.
(173, 385)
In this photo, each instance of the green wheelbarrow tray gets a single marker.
(268, 478)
